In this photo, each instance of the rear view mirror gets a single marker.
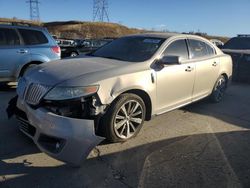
(170, 60)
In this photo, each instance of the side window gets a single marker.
(8, 37)
(177, 48)
(210, 50)
(33, 37)
(200, 49)
(197, 48)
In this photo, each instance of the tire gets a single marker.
(119, 127)
(73, 54)
(3, 85)
(219, 89)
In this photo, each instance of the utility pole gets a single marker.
(34, 10)
(100, 10)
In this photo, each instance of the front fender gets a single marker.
(111, 88)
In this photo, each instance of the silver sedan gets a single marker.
(69, 106)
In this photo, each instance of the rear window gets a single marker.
(238, 43)
(33, 37)
(200, 49)
(8, 37)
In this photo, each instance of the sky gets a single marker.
(215, 17)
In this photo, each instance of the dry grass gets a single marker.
(74, 29)
(13, 20)
(221, 38)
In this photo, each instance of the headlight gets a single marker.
(63, 93)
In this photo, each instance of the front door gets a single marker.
(175, 82)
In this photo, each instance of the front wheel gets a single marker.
(124, 118)
(219, 89)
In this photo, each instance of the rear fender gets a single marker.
(35, 59)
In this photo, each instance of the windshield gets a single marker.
(134, 49)
(239, 43)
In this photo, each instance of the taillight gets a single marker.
(56, 49)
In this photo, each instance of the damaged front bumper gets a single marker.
(64, 138)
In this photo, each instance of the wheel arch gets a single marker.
(226, 77)
(146, 99)
(22, 69)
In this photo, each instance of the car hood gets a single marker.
(56, 72)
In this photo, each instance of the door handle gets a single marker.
(22, 51)
(215, 64)
(189, 69)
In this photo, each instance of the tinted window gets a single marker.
(8, 37)
(238, 43)
(32, 37)
(134, 49)
(177, 48)
(198, 49)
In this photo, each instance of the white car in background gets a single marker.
(217, 42)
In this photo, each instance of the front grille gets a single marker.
(35, 92)
(32, 93)
(26, 127)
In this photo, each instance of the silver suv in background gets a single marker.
(22, 47)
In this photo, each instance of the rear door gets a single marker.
(11, 53)
(207, 67)
(37, 44)
(175, 82)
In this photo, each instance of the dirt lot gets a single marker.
(202, 145)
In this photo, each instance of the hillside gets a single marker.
(79, 29)
(4, 20)
(76, 29)
(221, 38)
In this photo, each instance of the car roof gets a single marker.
(157, 35)
(22, 26)
(164, 35)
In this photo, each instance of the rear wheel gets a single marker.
(3, 84)
(73, 54)
(124, 118)
(219, 89)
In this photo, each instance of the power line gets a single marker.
(100, 11)
(34, 10)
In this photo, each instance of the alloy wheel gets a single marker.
(128, 119)
(220, 89)
(73, 54)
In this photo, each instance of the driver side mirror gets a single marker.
(170, 60)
